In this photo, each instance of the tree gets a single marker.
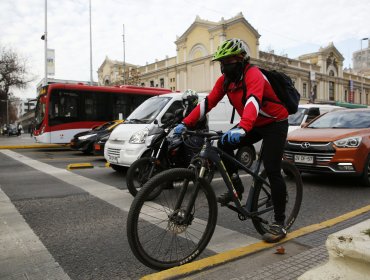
(13, 75)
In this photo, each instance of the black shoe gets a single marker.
(227, 197)
(275, 233)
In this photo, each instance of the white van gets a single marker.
(307, 112)
(128, 141)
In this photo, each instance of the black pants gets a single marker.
(274, 136)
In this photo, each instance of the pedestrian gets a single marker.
(262, 117)
(19, 128)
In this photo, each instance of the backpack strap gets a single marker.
(244, 86)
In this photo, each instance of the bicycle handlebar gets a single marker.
(212, 135)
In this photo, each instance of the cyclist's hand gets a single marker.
(179, 129)
(233, 136)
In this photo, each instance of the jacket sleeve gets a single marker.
(206, 104)
(255, 83)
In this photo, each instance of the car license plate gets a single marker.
(303, 159)
(113, 159)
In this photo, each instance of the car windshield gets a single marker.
(343, 119)
(148, 110)
(296, 119)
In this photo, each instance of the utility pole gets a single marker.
(124, 58)
(91, 71)
(46, 42)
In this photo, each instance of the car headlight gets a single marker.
(139, 137)
(350, 142)
(84, 137)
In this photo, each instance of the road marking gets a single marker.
(123, 199)
(23, 256)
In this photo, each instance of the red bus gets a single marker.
(64, 110)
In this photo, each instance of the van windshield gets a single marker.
(148, 111)
(296, 119)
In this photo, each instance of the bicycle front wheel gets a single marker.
(159, 232)
(262, 201)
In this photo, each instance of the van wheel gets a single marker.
(118, 168)
(246, 155)
(366, 173)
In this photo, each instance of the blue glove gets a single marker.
(233, 136)
(179, 129)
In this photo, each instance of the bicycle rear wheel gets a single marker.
(262, 198)
(139, 173)
(159, 234)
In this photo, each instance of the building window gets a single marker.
(152, 83)
(304, 90)
(331, 91)
(161, 82)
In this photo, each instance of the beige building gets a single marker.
(317, 75)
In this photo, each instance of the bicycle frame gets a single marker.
(214, 154)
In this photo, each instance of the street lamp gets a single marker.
(124, 58)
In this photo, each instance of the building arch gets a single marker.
(198, 51)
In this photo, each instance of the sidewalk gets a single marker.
(24, 141)
(301, 254)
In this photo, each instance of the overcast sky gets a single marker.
(292, 27)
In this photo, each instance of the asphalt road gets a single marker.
(80, 215)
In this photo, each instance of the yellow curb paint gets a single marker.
(35, 146)
(234, 254)
(107, 164)
(79, 165)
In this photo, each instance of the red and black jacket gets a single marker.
(262, 106)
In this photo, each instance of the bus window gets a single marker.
(122, 105)
(64, 107)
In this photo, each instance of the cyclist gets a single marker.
(262, 117)
(192, 144)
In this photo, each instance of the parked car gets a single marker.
(84, 141)
(337, 142)
(12, 130)
(99, 144)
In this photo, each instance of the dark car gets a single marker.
(12, 130)
(100, 143)
(337, 142)
(84, 141)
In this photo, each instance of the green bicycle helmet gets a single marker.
(231, 47)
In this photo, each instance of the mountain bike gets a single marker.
(177, 225)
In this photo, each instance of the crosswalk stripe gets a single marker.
(23, 256)
(223, 239)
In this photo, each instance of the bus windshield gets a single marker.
(40, 110)
(148, 110)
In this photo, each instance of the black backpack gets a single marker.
(284, 88)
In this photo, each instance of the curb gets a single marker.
(349, 255)
(231, 255)
(79, 166)
(33, 146)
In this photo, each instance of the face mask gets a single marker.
(233, 71)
